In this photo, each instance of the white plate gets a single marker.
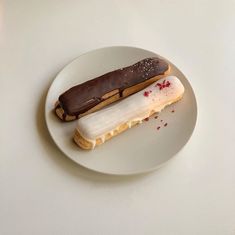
(140, 149)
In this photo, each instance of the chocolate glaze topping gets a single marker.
(83, 97)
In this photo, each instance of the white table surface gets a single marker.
(43, 192)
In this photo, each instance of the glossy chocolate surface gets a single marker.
(83, 97)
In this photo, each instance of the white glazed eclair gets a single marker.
(96, 128)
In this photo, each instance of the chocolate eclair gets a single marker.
(97, 93)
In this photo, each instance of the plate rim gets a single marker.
(136, 172)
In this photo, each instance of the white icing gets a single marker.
(102, 137)
(133, 108)
(129, 124)
(93, 143)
